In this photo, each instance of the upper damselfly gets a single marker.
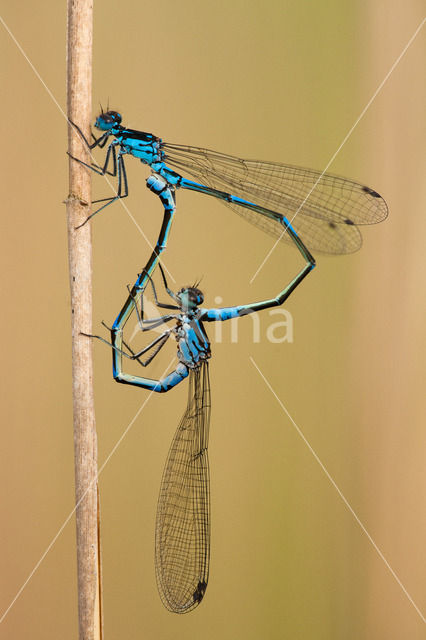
(326, 210)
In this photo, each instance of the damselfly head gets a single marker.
(106, 120)
(190, 297)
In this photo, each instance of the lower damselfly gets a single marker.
(182, 543)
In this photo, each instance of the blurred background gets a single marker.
(280, 81)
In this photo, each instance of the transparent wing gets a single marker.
(182, 539)
(326, 222)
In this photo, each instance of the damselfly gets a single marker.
(283, 200)
(324, 209)
(182, 544)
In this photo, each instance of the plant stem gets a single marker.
(79, 89)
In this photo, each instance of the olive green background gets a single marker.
(272, 80)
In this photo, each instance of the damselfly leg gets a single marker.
(118, 170)
(98, 142)
(161, 305)
(158, 342)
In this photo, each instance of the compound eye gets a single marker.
(196, 298)
(112, 116)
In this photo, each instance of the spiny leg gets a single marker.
(98, 142)
(101, 171)
(151, 322)
(122, 178)
(162, 305)
(155, 324)
(159, 342)
(118, 168)
(104, 170)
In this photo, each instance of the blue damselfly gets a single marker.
(288, 202)
(325, 210)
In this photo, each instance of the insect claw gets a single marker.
(82, 224)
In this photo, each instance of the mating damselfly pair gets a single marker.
(314, 211)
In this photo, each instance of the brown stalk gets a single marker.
(79, 88)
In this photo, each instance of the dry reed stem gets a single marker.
(79, 66)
